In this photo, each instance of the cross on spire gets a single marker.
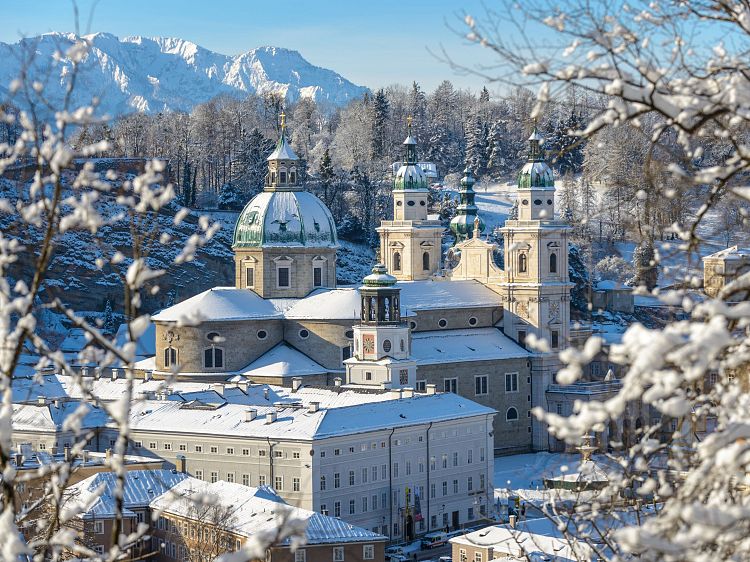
(283, 121)
(408, 123)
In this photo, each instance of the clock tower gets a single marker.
(382, 347)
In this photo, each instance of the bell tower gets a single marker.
(382, 347)
(410, 244)
(536, 292)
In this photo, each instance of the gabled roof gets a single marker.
(219, 303)
(732, 253)
(283, 361)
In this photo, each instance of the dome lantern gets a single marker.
(410, 175)
(463, 224)
(536, 173)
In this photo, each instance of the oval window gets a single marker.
(525, 202)
(399, 203)
(304, 334)
(213, 337)
(410, 203)
(413, 325)
(422, 203)
(442, 322)
(472, 321)
(549, 201)
(537, 201)
(349, 334)
(386, 345)
(262, 334)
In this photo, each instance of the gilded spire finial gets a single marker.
(283, 121)
(408, 123)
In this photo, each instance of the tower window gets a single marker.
(426, 261)
(262, 334)
(282, 177)
(555, 339)
(522, 337)
(422, 203)
(386, 345)
(472, 321)
(511, 414)
(410, 203)
(170, 357)
(282, 276)
(522, 263)
(536, 201)
(317, 276)
(250, 277)
(442, 322)
(292, 177)
(213, 358)
(399, 203)
(273, 177)
(553, 263)
(304, 334)
(397, 261)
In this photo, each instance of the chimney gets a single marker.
(313, 407)
(84, 371)
(147, 376)
(219, 388)
(242, 385)
(114, 374)
(337, 381)
(97, 373)
(19, 459)
(512, 521)
(250, 414)
(265, 393)
(270, 417)
(181, 463)
(84, 456)
(66, 453)
(108, 455)
(56, 402)
(395, 393)
(407, 392)
(41, 400)
(296, 383)
(431, 388)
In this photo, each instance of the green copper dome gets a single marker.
(536, 173)
(462, 225)
(379, 277)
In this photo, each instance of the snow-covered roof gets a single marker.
(429, 294)
(283, 361)
(145, 345)
(327, 304)
(51, 416)
(611, 285)
(75, 340)
(285, 218)
(455, 346)
(248, 511)
(282, 151)
(732, 253)
(219, 304)
(95, 494)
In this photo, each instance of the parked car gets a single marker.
(399, 558)
(431, 540)
(445, 559)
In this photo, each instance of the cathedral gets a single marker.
(420, 321)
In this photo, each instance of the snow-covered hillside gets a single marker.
(159, 74)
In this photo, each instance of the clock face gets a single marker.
(368, 343)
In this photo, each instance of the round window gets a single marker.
(549, 201)
(422, 203)
(410, 203)
(399, 203)
(262, 334)
(413, 325)
(349, 334)
(537, 201)
(386, 345)
(472, 321)
(213, 337)
(304, 334)
(525, 202)
(442, 322)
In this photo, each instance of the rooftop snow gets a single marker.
(219, 304)
(455, 346)
(732, 253)
(36, 417)
(283, 361)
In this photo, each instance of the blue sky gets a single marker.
(373, 43)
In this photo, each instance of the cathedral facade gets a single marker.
(458, 322)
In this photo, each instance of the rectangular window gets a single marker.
(480, 385)
(352, 507)
(99, 527)
(481, 481)
(364, 475)
(138, 445)
(230, 450)
(555, 339)
(481, 454)
(278, 483)
(338, 554)
(300, 555)
(374, 502)
(408, 468)
(151, 445)
(323, 509)
(295, 484)
(432, 489)
(455, 459)
(214, 449)
(374, 473)
(444, 459)
(337, 509)
(322, 483)
(455, 486)
(421, 386)
(167, 446)
(278, 454)
(199, 474)
(317, 277)
(336, 480)
(368, 552)
(183, 447)
(245, 452)
(199, 448)
(261, 452)
(282, 274)
(445, 487)
(250, 277)
(364, 504)
(383, 471)
(384, 499)
(470, 456)
(450, 385)
(295, 455)
(230, 477)
(477, 556)
(261, 479)
(245, 479)
(214, 477)
(522, 337)
(470, 484)
(403, 376)
(336, 452)
(395, 470)
(511, 382)
(351, 478)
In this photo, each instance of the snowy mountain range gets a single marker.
(158, 74)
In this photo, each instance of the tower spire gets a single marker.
(464, 224)
(283, 122)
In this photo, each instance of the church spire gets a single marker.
(462, 225)
(283, 163)
(410, 152)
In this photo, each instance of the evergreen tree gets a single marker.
(249, 171)
(501, 157)
(327, 176)
(476, 146)
(108, 325)
(380, 109)
(579, 275)
(513, 214)
(645, 267)
(230, 198)
(566, 149)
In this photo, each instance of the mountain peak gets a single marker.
(152, 74)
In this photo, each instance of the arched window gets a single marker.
(396, 261)
(522, 263)
(170, 357)
(553, 263)
(213, 358)
(426, 261)
(511, 414)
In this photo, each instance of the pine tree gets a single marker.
(579, 275)
(108, 326)
(230, 199)
(249, 170)
(476, 147)
(500, 157)
(513, 214)
(644, 266)
(380, 110)
(326, 175)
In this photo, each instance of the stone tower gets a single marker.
(462, 225)
(410, 244)
(382, 348)
(536, 292)
(285, 238)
